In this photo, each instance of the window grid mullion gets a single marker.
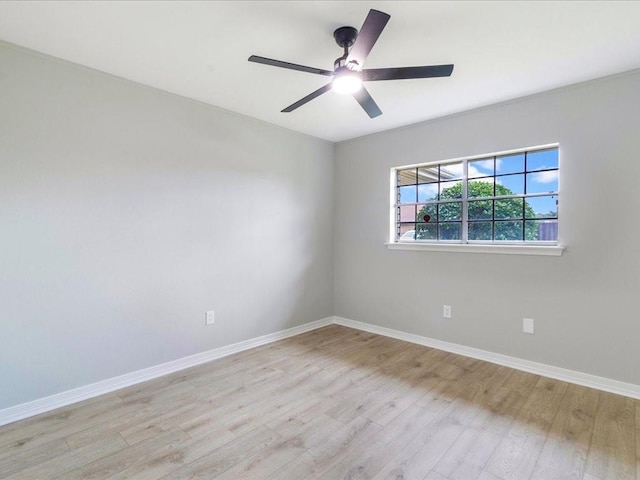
(524, 201)
(415, 214)
(438, 219)
(465, 204)
(493, 201)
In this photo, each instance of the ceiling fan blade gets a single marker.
(400, 73)
(308, 98)
(290, 66)
(366, 39)
(367, 103)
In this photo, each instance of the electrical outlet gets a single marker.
(446, 311)
(528, 325)
(211, 318)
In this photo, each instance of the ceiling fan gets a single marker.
(348, 73)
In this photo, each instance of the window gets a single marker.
(504, 198)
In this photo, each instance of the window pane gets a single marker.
(407, 231)
(541, 230)
(480, 168)
(450, 231)
(510, 164)
(451, 171)
(508, 230)
(427, 192)
(407, 213)
(542, 207)
(427, 213)
(450, 190)
(542, 160)
(509, 208)
(407, 177)
(480, 188)
(480, 231)
(510, 185)
(428, 174)
(531, 230)
(427, 231)
(481, 210)
(542, 182)
(450, 211)
(407, 194)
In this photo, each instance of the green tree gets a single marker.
(508, 215)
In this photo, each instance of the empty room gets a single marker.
(290, 240)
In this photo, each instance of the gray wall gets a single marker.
(126, 213)
(584, 302)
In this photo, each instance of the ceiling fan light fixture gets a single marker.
(348, 72)
(346, 81)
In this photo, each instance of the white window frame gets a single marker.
(554, 248)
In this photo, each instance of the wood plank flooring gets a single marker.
(335, 403)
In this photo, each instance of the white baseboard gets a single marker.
(46, 404)
(571, 376)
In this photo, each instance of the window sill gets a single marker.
(552, 250)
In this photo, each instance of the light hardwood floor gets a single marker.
(335, 403)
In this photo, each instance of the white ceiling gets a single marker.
(501, 50)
